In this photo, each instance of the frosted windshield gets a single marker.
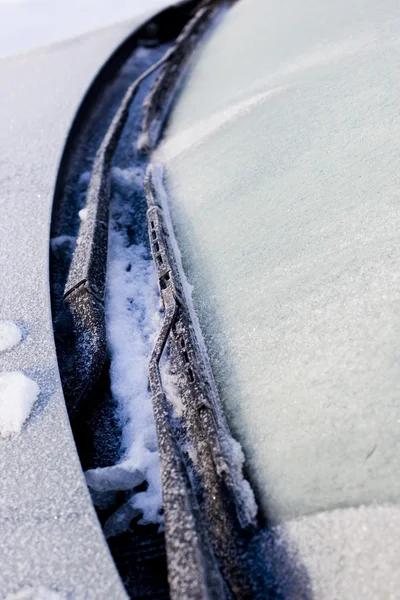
(282, 164)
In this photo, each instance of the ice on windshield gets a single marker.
(283, 175)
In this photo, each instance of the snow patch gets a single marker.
(10, 335)
(133, 320)
(170, 386)
(113, 478)
(18, 394)
(83, 214)
(105, 483)
(175, 145)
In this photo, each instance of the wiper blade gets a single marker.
(162, 93)
(211, 528)
(85, 287)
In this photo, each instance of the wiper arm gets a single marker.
(162, 93)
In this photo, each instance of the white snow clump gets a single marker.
(83, 214)
(10, 335)
(18, 394)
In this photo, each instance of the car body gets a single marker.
(280, 162)
(51, 535)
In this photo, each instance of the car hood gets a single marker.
(51, 537)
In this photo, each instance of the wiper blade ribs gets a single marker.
(211, 532)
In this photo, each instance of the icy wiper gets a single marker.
(210, 514)
(85, 286)
(161, 95)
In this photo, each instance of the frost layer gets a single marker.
(286, 210)
(10, 335)
(18, 394)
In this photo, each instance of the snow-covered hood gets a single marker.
(51, 539)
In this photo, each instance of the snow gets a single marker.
(83, 213)
(110, 479)
(105, 483)
(10, 335)
(133, 319)
(18, 394)
(175, 145)
(170, 386)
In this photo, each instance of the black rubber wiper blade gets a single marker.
(211, 534)
(158, 101)
(202, 484)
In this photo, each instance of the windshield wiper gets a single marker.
(211, 530)
(158, 101)
(210, 522)
(85, 286)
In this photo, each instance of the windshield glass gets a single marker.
(282, 166)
